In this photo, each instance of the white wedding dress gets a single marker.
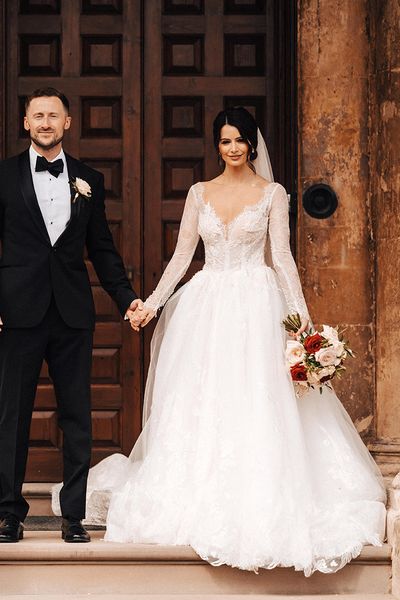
(230, 462)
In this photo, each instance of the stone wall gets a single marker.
(334, 254)
(349, 138)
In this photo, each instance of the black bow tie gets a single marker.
(55, 168)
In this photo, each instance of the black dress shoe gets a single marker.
(72, 531)
(11, 529)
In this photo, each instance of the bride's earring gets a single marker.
(252, 155)
(220, 161)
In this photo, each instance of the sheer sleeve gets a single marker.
(282, 259)
(185, 247)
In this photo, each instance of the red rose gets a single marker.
(298, 372)
(313, 343)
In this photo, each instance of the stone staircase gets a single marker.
(44, 567)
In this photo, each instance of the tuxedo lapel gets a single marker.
(73, 173)
(29, 195)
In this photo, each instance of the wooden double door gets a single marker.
(145, 80)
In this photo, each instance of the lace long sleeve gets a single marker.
(282, 259)
(185, 247)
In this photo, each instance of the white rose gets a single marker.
(294, 352)
(83, 187)
(338, 347)
(326, 372)
(330, 333)
(327, 356)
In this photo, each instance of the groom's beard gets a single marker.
(47, 145)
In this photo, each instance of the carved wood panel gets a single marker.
(101, 55)
(40, 55)
(40, 7)
(90, 50)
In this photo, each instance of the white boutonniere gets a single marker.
(81, 188)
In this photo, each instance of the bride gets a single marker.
(230, 461)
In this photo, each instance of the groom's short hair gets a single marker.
(48, 92)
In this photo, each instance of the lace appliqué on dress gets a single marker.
(239, 244)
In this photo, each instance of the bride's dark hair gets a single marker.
(238, 117)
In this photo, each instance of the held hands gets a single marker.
(139, 315)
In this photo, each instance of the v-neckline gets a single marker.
(247, 207)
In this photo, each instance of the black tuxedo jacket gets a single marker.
(32, 270)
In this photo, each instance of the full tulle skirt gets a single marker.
(230, 461)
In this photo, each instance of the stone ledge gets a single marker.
(37, 490)
(39, 497)
(48, 547)
(44, 565)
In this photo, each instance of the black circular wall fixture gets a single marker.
(320, 201)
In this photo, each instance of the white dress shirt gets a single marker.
(53, 195)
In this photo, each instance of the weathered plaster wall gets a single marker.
(334, 254)
(385, 192)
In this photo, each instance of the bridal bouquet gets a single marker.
(315, 358)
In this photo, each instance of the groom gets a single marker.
(51, 207)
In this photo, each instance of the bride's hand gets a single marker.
(150, 315)
(302, 329)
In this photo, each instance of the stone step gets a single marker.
(203, 597)
(38, 496)
(44, 565)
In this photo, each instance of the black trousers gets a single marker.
(68, 353)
